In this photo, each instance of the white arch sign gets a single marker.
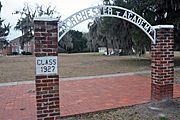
(105, 11)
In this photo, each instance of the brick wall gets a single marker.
(47, 86)
(162, 73)
(6, 51)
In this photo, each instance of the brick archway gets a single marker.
(47, 85)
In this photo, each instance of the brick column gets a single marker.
(162, 72)
(47, 78)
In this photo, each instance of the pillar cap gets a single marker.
(163, 26)
(46, 18)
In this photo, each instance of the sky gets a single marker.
(64, 7)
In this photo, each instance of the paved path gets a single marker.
(17, 102)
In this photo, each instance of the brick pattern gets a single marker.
(162, 72)
(46, 38)
(18, 102)
(47, 86)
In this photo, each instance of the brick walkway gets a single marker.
(79, 96)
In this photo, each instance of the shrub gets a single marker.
(164, 118)
(26, 53)
(23, 53)
(15, 53)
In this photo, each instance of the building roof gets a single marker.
(18, 40)
(15, 39)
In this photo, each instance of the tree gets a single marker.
(168, 12)
(66, 42)
(25, 22)
(73, 41)
(4, 31)
(93, 35)
(124, 36)
(135, 37)
(110, 32)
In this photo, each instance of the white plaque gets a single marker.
(46, 65)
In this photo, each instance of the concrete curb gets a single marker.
(16, 83)
(81, 78)
(76, 78)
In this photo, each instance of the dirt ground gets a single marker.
(22, 68)
(164, 110)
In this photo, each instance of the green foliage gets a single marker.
(146, 9)
(121, 35)
(168, 12)
(164, 118)
(156, 12)
(79, 42)
(73, 42)
(140, 40)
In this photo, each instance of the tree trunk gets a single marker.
(106, 41)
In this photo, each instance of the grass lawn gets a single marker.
(22, 68)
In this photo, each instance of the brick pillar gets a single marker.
(47, 78)
(162, 72)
